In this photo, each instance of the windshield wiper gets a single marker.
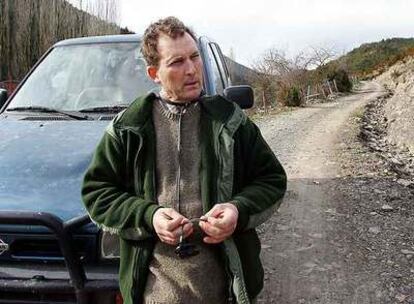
(106, 109)
(49, 110)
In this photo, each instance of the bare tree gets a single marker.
(321, 55)
(279, 76)
(107, 10)
(29, 27)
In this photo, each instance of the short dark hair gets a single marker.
(170, 26)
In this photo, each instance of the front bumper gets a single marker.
(31, 283)
(71, 283)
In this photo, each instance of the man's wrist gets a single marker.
(242, 218)
(149, 215)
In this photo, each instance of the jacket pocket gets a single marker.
(248, 246)
(141, 261)
(127, 268)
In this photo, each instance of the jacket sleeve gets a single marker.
(109, 204)
(262, 184)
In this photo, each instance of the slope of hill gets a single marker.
(239, 74)
(372, 59)
(399, 109)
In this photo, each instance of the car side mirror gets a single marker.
(241, 94)
(3, 97)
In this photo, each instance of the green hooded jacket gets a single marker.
(237, 166)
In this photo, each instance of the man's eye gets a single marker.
(176, 62)
(195, 56)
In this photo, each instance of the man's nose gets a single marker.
(190, 67)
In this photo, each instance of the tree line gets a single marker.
(29, 27)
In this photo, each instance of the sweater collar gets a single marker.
(175, 110)
(138, 113)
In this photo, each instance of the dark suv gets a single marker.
(50, 252)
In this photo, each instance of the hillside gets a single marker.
(399, 109)
(372, 59)
(239, 74)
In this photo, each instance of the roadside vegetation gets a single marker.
(281, 80)
(319, 73)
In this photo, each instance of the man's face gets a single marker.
(180, 69)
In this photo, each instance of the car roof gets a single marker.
(100, 39)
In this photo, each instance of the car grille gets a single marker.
(36, 298)
(45, 248)
(45, 118)
(106, 117)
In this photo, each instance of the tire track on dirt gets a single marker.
(304, 258)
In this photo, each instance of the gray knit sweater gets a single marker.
(201, 278)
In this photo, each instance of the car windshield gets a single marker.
(78, 77)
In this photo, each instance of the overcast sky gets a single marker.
(251, 27)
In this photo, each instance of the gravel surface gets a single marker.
(344, 231)
(379, 184)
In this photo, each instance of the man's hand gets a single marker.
(219, 223)
(167, 224)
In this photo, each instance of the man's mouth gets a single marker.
(191, 83)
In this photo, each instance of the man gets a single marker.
(181, 166)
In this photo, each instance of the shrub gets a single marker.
(342, 80)
(294, 97)
(290, 96)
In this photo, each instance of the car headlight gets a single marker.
(109, 244)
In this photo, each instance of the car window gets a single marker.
(216, 73)
(83, 76)
(221, 67)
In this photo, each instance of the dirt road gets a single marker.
(304, 257)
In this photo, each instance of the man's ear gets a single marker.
(152, 73)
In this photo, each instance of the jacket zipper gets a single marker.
(220, 164)
(178, 178)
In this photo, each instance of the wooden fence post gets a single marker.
(264, 101)
(308, 93)
(329, 87)
(336, 87)
(323, 90)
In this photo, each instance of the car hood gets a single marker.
(42, 164)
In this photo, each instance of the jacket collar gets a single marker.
(139, 112)
(218, 108)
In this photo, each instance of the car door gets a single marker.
(216, 72)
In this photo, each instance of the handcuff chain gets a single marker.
(192, 221)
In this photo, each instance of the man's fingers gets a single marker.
(170, 237)
(173, 224)
(173, 214)
(222, 223)
(169, 219)
(211, 240)
(188, 229)
(168, 224)
(214, 231)
(169, 241)
(167, 234)
(185, 230)
(214, 212)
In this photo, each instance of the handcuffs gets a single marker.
(186, 249)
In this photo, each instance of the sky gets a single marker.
(249, 28)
